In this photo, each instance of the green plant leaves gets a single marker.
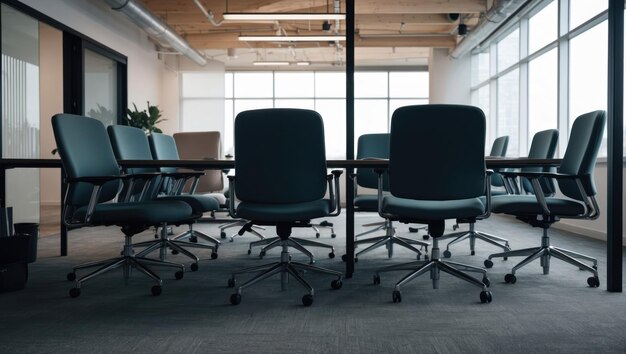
(145, 119)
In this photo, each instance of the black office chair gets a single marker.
(281, 180)
(377, 146)
(429, 145)
(498, 149)
(131, 143)
(543, 146)
(576, 182)
(163, 147)
(94, 181)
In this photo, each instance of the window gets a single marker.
(480, 67)
(542, 27)
(508, 110)
(583, 10)
(542, 93)
(508, 50)
(377, 95)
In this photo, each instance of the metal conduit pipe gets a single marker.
(498, 13)
(156, 28)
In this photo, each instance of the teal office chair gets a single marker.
(429, 145)
(281, 180)
(576, 182)
(131, 143)
(94, 181)
(543, 146)
(377, 146)
(498, 149)
(163, 147)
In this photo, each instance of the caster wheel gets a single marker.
(426, 258)
(455, 227)
(174, 252)
(193, 239)
(213, 255)
(505, 258)
(74, 292)
(485, 297)
(486, 281)
(156, 290)
(336, 284)
(595, 266)
(396, 296)
(222, 235)
(71, 276)
(179, 275)
(473, 253)
(376, 279)
(333, 235)
(331, 255)
(193, 267)
(593, 282)
(262, 254)
(418, 256)
(235, 299)
(307, 300)
(231, 282)
(356, 260)
(510, 278)
(488, 263)
(249, 252)
(425, 237)
(447, 254)
(317, 235)
(344, 257)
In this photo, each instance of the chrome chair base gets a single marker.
(127, 261)
(324, 224)
(240, 224)
(285, 268)
(545, 252)
(177, 246)
(473, 235)
(295, 242)
(434, 266)
(389, 239)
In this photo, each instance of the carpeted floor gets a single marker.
(540, 313)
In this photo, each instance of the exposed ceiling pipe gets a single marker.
(499, 12)
(209, 14)
(156, 28)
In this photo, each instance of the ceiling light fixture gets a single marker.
(263, 16)
(292, 38)
(270, 63)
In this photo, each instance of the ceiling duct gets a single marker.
(499, 12)
(156, 28)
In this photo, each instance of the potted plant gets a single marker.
(145, 119)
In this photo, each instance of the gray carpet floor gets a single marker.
(540, 313)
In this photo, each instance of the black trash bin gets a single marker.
(30, 229)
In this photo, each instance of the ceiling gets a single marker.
(388, 33)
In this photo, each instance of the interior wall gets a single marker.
(50, 102)
(449, 78)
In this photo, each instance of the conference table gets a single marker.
(348, 165)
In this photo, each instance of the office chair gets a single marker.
(206, 145)
(130, 143)
(543, 146)
(377, 146)
(281, 180)
(576, 183)
(163, 147)
(94, 181)
(425, 155)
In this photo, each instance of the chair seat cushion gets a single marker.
(262, 212)
(220, 197)
(366, 203)
(426, 210)
(528, 205)
(199, 203)
(143, 213)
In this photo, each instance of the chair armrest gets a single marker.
(95, 180)
(335, 196)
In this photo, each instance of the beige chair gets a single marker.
(206, 145)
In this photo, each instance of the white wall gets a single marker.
(449, 78)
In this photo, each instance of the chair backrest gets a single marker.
(202, 146)
(498, 149)
(581, 153)
(372, 146)
(130, 143)
(163, 147)
(437, 152)
(85, 151)
(543, 146)
(280, 156)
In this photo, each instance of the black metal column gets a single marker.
(349, 137)
(615, 126)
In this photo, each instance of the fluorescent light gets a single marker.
(270, 63)
(292, 38)
(303, 63)
(264, 16)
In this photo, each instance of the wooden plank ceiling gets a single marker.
(389, 33)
